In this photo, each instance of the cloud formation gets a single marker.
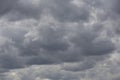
(74, 35)
(105, 70)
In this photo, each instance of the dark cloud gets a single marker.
(10, 62)
(87, 41)
(79, 67)
(6, 6)
(115, 6)
(105, 70)
(53, 45)
(20, 9)
(52, 32)
(86, 64)
(66, 11)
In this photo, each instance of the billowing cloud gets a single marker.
(105, 70)
(65, 38)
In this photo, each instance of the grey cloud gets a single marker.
(86, 64)
(105, 70)
(45, 73)
(53, 39)
(64, 38)
(115, 6)
(79, 67)
(20, 9)
(69, 12)
(87, 41)
(9, 58)
(111, 8)
(52, 45)
(6, 6)
(10, 62)
(59, 40)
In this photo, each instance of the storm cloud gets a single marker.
(71, 35)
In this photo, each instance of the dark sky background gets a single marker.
(59, 40)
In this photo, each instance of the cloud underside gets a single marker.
(107, 70)
(70, 35)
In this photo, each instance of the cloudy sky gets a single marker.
(59, 39)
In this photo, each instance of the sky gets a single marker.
(59, 39)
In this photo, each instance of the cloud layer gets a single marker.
(70, 35)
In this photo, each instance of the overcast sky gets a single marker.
(59, 39)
